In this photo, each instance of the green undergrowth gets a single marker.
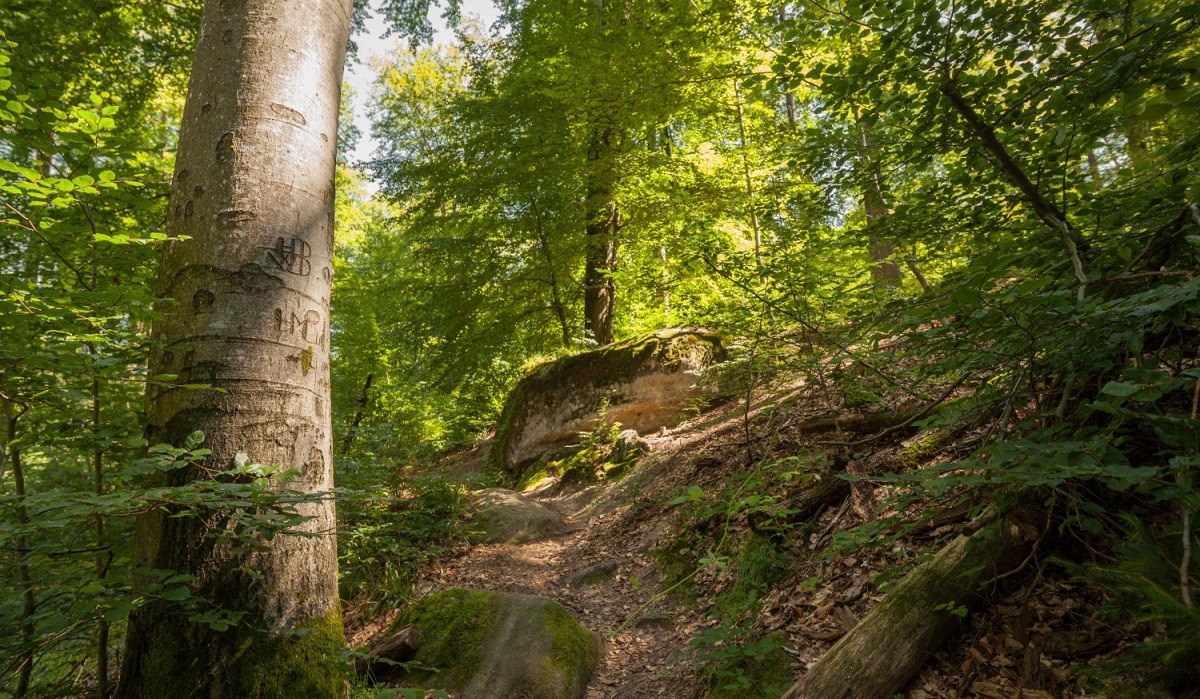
(758, 498)
(740, 665)
(735, 660)
(1144, 597)
(389, 532)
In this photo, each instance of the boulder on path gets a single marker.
(487, 645)
(508, 517)
(643, 383)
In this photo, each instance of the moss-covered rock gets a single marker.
(487, 645)
(504, 516)
(643, 383)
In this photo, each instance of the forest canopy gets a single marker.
(990, 209)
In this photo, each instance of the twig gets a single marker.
(33, 228)
(1030, 557)
(832, 523)
(810, 328)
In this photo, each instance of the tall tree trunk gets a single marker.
(364, 399)
(885, 271)
(253, 191)
(602, 224)
(746, 179)
(10, 456)
(556, 300)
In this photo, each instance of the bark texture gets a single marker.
(885, 272)
(602, 225)
(879, 656)
(253, 192)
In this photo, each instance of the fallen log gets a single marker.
(883, 652)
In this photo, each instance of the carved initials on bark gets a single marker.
(292, 256)
(309, 326)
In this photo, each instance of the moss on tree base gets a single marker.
(299, 662)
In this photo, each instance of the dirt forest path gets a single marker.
(642, 657)
(612, 530)
(605, 564)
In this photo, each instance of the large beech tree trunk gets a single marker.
(253, 191)
(883, 652)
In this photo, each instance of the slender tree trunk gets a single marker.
(664, 279)
(253, 192)
(789, 98)
(103, 555)
(1046, 210)
(363, 399)
(885, 272)
(28, 598)
(749, 183)
(1133, 128)
(916, 272)
(602, 225)
(1094, 170)
(560, 309)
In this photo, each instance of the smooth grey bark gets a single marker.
(253, 193)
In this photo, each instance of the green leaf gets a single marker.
(193, 440)
(1121, 389)
(177, 594)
